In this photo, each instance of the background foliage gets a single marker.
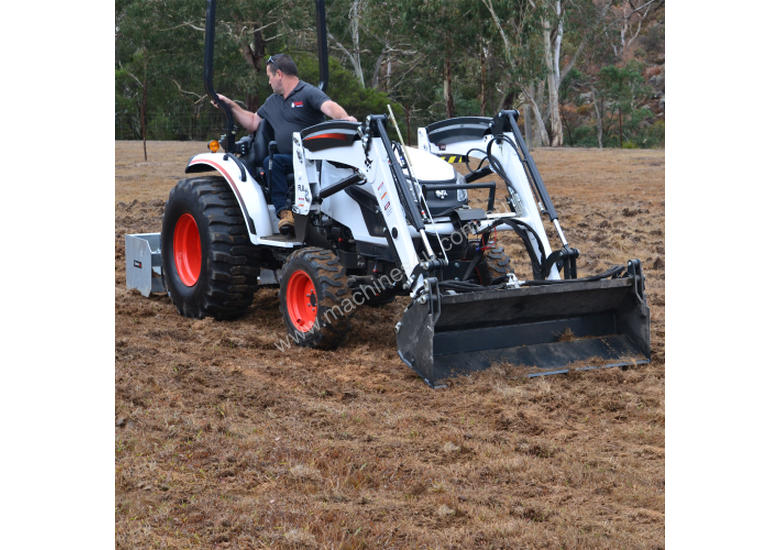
(429, 60)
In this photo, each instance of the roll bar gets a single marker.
(208, 77)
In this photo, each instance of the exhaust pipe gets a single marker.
(542, 329)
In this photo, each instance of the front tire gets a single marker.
(494, 265)
(313, 291)
(208, 261)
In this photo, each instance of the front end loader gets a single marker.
(376, 219)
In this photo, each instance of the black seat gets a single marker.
(257, 149)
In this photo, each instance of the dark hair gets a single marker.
(282, 62)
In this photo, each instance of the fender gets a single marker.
(247, 191)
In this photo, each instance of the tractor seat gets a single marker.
(255, 149)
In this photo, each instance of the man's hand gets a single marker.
(227, 101)
(336, 111)
(249, 120)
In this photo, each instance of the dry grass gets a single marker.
(224, 441)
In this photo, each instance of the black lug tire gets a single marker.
(228, 274)
(494, 264)
(332, 292)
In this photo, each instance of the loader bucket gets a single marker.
(549, 329)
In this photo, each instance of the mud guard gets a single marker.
(546, 329)
(247, 191)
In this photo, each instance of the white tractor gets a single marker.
(375, 219)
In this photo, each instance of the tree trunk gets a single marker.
(143, 112)
(482, 80)
(556, 128)
(252, 102)
(599, 125)
(448, 88)
(354, 61)
(628, 33)
(408, 114)
(544, 138)
(552, 62)
(354, 21)
(567, 129)
(377, 70)
(255, 54)
(388, 72)
(527, 126)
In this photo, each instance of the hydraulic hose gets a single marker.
(612, 272)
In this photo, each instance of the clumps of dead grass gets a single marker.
(449, 448)
(444, 511)
(300, 538)
(304, 472)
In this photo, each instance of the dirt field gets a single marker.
(223, 441)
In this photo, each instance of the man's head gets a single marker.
(280, 68)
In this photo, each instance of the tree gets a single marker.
(622, 88)
(630, 16)
(434, 59)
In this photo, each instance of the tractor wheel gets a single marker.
(313, 286)
(494, 264)
(209, 265)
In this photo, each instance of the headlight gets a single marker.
(463, 194)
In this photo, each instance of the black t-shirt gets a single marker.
(294, 113)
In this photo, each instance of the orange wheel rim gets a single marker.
(186, 249)
(301, 301)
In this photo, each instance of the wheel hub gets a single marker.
(186, 249)
(301, 301)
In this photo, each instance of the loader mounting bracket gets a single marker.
(566, 259)
(634, 270)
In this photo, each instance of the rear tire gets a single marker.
(313, 286)
(209, 264)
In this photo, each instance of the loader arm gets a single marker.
(497, 144)
(367, 149)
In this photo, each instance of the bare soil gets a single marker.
(223, 441)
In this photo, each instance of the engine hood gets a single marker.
(428, 167)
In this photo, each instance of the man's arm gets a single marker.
(335, 111)
(249, 120)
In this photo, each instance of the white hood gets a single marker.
(428, 167)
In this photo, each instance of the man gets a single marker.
(294, 105)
